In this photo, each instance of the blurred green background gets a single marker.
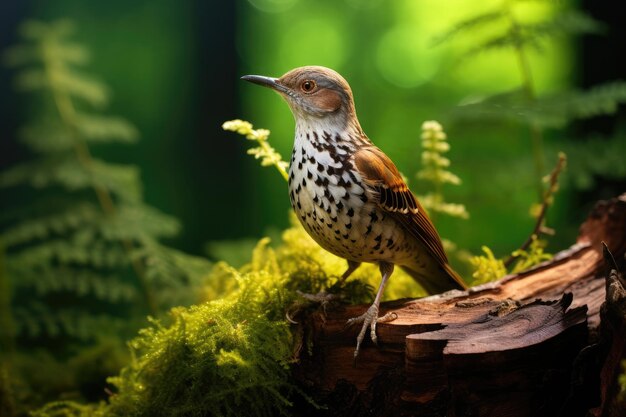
(173, 68)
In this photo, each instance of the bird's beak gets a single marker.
(266, 82)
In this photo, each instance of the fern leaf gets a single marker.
(99, 255)
(47, 137)
(80, 86)
(553, 111)
(81, 282)
(96, 128)
(139, 222)
(595, 159)
(476, 22)
(122, 180)
(566, 22)
(37, 320)
(57, 223)
(510, 39)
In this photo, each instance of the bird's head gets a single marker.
(313, 93)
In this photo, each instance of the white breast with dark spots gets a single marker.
(332, 204)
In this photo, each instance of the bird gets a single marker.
(349, 195)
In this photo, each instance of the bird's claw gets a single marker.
(369, 319)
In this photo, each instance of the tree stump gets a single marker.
(536, 343)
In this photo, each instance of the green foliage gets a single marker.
(596, 158)
(534, 255)
(82, 256)
(85, 231)
(551, 111)
(487, 267)
(525, 105)
(267, 154)
(230, 355)
(435, 171)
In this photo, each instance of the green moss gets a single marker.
(230, 356)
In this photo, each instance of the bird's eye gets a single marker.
(308, 86)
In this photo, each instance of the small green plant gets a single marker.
(435, 170)
(487, 267)
(265, 152)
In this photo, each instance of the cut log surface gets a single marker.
(506, 348)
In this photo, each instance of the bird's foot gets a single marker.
(369, 319)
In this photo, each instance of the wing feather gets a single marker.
(382, 176)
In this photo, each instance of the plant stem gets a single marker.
(547, 200)
(528, 85)
(67, 113)
(266, 147)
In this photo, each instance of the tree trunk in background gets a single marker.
(545, 342)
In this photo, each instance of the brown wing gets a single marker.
(382, 176)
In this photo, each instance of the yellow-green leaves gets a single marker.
(435, 170)
(487, 267)
(265, 152)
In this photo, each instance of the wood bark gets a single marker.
(545, 342)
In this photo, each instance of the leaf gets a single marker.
(101, 129)
(63, 251)
(566, 22)
(36, 320)
(79, 86)
(123, 180)
(468, 25)
(47, 137)
(553, 111)
(80, 282)
(139, 222)
(51, 224)
(596, 159)
(510, 39)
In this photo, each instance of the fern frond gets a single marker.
(97, 129)
(98, 254)
(139, 223)
(81, 282)
(37, 320)
(553, 111)
(122, 180)
(47, 136)
(44, 227)
(596, 158)
(566, 22)
(475, 22)
(509, 39)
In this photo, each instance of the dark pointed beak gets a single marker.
(266, 82)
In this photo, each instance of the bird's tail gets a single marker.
(435, 282)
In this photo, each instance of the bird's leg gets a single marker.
(370, 317)
(352, 266)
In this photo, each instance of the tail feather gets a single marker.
(443, 280)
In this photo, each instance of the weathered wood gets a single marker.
(494, 350)
(612, 340)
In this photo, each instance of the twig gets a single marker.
(547, 200)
